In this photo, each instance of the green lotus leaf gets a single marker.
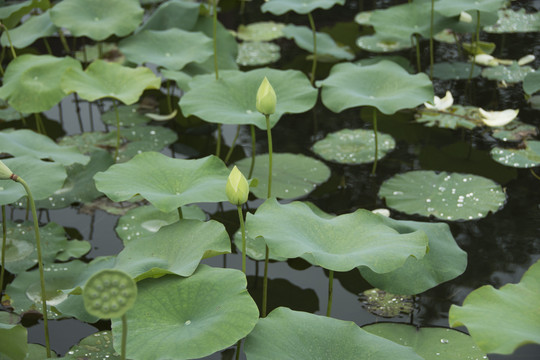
(531, 83)
(37, 351)
(38, 77)
(103, 79)
(144, 138)
(181, 78)
(172, 48)
(511, 21)
(353, 147)
(74, 249)
(429, 342)
(254, 53)
(26, 142)
(515, 305)
(450, 8)
(12, 14)
(293, 175)
(384, 85)
(97, 346)
(260, 31)
(448, 196)
(454, 70)
(231, 99)
(300, 335)
(165, 182)
(363, 18)
(7, 113)
(211, 311)
(400, 60)
(303, 37)
(144, 221)
(515, 131)
(13, 337)
(107, 51)
(89, 142)
(255, 247)
(33, 171)
(444, 261)
(518, 158)
(363, 239)
(176, 249)
(130, 115)
(381, 303)
(173, 14)
(479, 47)
(97, 19)
(36, 27)
(280, 7)
(382, 43)
(510, 74)
(454, 117)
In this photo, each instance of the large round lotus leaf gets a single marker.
(451, 8)
(514, 305)
(188, 318)
(129, 115)
(254, 53)
(531, 83)
(13, 337)
(36, 77)
(340, 243)
(280, 7)
(97, 346)
(172, 48)
(353, 147)
(144, 138)
(34, 28)
(293, 175)
(303, 336)
(382, 43)
(518, 158)
(454, 70)
(173, 14)
(33, 171)
(384, 85)
(12, 14)
(103, 79)
(232, 98)
(255, 247)
(400, 60)
(384, 304)
(26, 142)
(454, 117)
(511, 21)
(144, 221)
(175, 249)
(510, 74)
(260, 31)
(447, 196)
(303, 37)
(97, 19)
(429, 342)
(165, 182)
(444, 261)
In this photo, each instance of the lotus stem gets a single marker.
(253, 151)
(418, 64)
(40, 127)
(4, 27)
(375, 133)
(269, 135)
(40, 261)
(180, 213)
(532, 172)
(78, 112)
(47, 46)
(218, 141)
(117, 131)
(214, 13)
(100, 49)
(314, 65)
(243, 228)
(475, 45)
(229, 153)
(2, 55)
(64, 41)
(330, 292)
(124, 336)
(431, 56)
(238, 344)
(169, 104)
(265, 281)
(4, 240)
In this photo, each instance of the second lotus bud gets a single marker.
(5, 172)
(237, 188)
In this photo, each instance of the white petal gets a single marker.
(485, 59)
(383, 212)
(465, 17)
(446, 101)
(498, 118)
(527, 59)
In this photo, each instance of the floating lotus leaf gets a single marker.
(510, 74)
(444, 261)
(74, 249)
(447, 196)
(454, 70)
(212, 311)
(36, 27)
(89, 142)
(280, 7)
(511, 21)
(384, 304)
(382, 43)
(38, 77)
(144, 221)
(12, 14)
(13, 337)
(260, 31)
(518, 158)
(253, 53)
(515, 131)
(363, 18)
(450, 8)
(384, 85)
(300, 335)
(103, 79)
(130, 115)
(172, 48)
(176, 249)
(400, 60)
(515, 305)
(7, 113)
(454, 117)
(293, 175)
(37, 351)
(33, 171)
(97, 346)
(353, 147)
(144, 138)
(173, 14)
(231, 99)
(531, 83)
(340, 243)
(181, 78)
(165, 182)
(303, 37)
(107, 51)
(97, 19)
(26, 142)
(429, 342)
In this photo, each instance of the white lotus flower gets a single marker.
(441, 104)
(527, 59)
(383, 212)
(498, 118)
(465, 17)
(485, 60)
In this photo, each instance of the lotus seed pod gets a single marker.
(266, 98)
(237, 188)
(109, 294)
(5, 173)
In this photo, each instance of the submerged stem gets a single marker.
(330, 292)
(124, 336)
(374, 168)
(253, 151)
(314, 65)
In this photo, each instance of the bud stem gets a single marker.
(243, 228)
(374, 168)
(124, 336)
(314, 65)
(269, 135)
(330, 292)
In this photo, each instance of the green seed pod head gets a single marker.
(266, 98)
(237, 188)
(5, 173)
(109, 294)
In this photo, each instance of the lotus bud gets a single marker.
(5, 173)
(498, 118)
(237, 188)
(527, 59)
(465, 17)
(266, 98)
(441, 104)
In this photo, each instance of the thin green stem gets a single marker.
(269, 135)
(2, 55)
(243, 228)
(238, 344)
(229, 153)
(124, 336)
(330, 292)
(39, 124)
(218, 141)
(475, 45)
(253, 151)
(64, 41)
(532, 172)
(4, 240)
(214, 6)
(47, 46)
(9, 40)
(100, 50)
(375, 133)
(40, 261)
(180, 213)
(117, 131)
(431, 56)
(169, 104)
(314, 65)
(418, 64)
(265, 281)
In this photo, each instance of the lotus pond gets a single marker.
(321, 179)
